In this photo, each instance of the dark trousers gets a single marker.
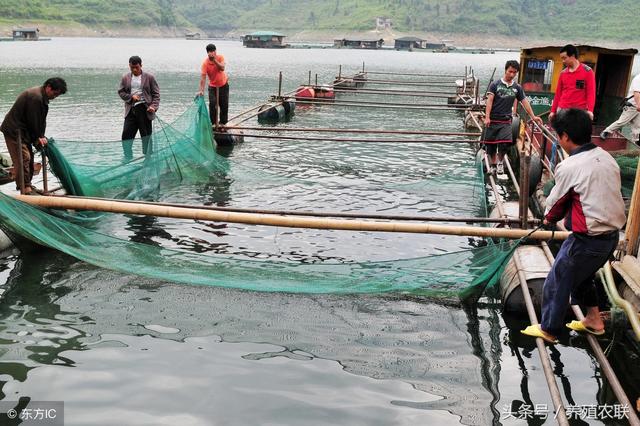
(223, 101)
(27, 160)
(571, 277)
(136, 121)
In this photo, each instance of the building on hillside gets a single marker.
(26, 34)
(409, 43)
(358, 43)
(264, 39)
(383, 23)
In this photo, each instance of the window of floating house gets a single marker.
(537, 75)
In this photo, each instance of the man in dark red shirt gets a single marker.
(576, 85)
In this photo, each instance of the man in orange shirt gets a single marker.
(213, 68)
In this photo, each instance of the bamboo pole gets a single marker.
(274, 220)
(525, 162)
(363, 131)
(561, 415)
(290, 93)
(511, 174)
(361, 105)
(345, 101)
(258, 113)
(494, 187)
(324, 139)
(45, 182)
(20, 173)
(407, 80)
(374, 92)
(490, 80)
(419, 218)
(392, 83)
(426, 82)
(412, 74)
(247, 111)
(392, 91)
(632, 233)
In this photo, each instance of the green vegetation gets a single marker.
(568, 19)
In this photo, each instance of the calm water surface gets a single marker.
(123, 349)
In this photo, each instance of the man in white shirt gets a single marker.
(141, 95)
(630, 113)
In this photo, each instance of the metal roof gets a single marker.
(360, 39)
(410, 38)
(266, 33)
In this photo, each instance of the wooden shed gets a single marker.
(26, 34)
(409, 43)
(358, 43)
(264, 39)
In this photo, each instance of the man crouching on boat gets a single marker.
(587, 194)
(24, 126)
(501, 98)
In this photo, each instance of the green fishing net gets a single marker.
(184, 152)
(445, 275)
(628, 165)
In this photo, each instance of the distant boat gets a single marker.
(192, 36)
(25, 34)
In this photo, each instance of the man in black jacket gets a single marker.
(24, 126)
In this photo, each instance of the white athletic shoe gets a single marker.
(500, 168)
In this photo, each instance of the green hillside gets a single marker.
(613, 20)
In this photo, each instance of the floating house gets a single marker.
(30, 34)
(264, 39)
(359, 43)
(437, 46)
(409, 43)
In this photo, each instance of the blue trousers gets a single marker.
(572, 275)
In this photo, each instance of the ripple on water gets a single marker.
(227, 384)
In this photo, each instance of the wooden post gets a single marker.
(633, 223)
(316, 80)
(524, 191)
(280, 85)
(464, 81)
(339, 72)
(363, 66)
(309, 77)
